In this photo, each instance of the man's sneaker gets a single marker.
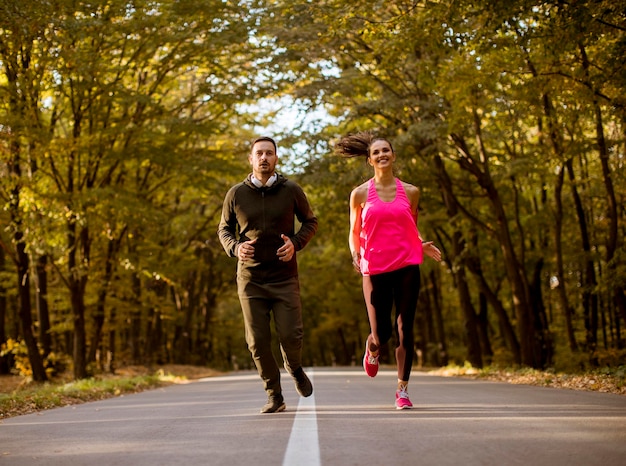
(402, 399)
(303, 384)
(275, 404)
(370, 363)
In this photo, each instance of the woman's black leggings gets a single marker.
(402, 287)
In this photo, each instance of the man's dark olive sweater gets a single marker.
(265, 213)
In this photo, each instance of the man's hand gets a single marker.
(246, 250)
(287, 250)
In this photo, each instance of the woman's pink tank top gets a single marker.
(389, 235)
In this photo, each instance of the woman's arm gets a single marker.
(357, 199)
(429, 248)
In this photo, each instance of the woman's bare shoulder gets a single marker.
(359, 194)
(412, 192)
(409, 188)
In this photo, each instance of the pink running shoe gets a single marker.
(402, 400)
(370, 363)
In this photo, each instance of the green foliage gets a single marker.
(20, 354)
(122, 128)
(53, 363)
(500, 95)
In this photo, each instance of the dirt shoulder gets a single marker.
(609, 382)
(180, 373)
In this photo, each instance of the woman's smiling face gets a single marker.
(381, 153)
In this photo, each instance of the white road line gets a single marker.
(303, 448)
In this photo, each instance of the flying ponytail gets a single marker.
(354, 145)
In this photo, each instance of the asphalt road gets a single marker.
(349, 420)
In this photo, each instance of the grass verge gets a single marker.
(46, 396)
(607, 380)
(18, 397)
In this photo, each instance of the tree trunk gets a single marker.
(4, 360)
(26, 320)
(612, 243)
(135, 321)
(514, 269)
(154, 332)
(43, 310)
(3, 301)
(152, 342)
(190, 309)
(16, 105)
(522, 300)
(589, 295)
(80, 337)
(612, 215)
(183, 333)
(531, 343)
(556, 139)
(99, 316)
(507, 329)
(425, 323)
(544, 345)
(483, 329)
(110, 362)
(471, 322)
(567, 309)
(458, 269)
(442, 343)
(77, 282)
(23, 276)
(96, 334)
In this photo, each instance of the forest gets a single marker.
(124, 122)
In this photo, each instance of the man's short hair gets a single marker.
(264, 138)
